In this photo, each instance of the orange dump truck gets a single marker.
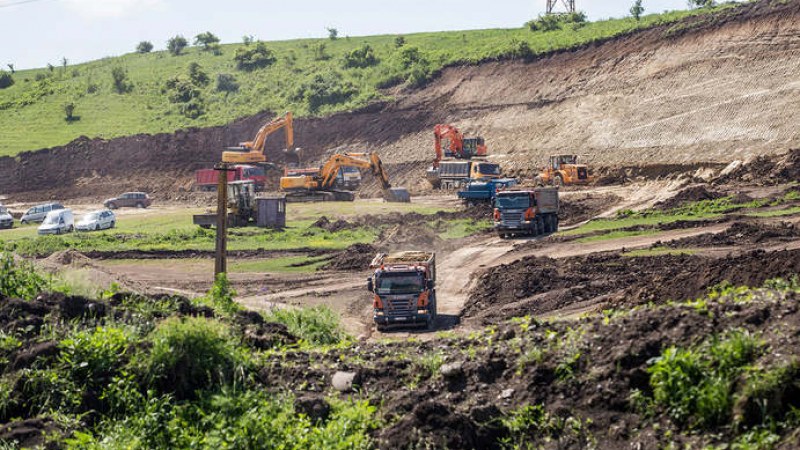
(404, 288)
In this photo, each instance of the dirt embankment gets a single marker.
(730, 95)
(537, 286)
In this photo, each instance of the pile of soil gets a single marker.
(574, 210)
(325, 224)
(741, 233)
(691, 194)
(536, 286)
(766, 170)
(461, 403)
(355, 257)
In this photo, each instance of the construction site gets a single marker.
(590, 247)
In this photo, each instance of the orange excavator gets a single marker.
(457, 146)
(252, 152)
(320, 186)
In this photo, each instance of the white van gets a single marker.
(57, 222)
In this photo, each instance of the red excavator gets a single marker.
(457, 146)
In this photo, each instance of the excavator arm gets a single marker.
(252, 152)
(451, 133)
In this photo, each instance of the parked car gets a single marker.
(6, 221)
(97, 220)
(39, 212)
(130, 199)
(57, 222)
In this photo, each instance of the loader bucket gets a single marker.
(397, 194)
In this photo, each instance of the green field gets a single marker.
(304, 78)
(172, 230)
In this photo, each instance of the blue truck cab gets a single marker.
(484, 191)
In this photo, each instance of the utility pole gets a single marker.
(569, 6)
(220, 261)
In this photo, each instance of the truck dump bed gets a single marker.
(547, 200)
(405, 260)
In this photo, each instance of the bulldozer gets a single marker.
(252, 152)
(321, 186)
(564, 170)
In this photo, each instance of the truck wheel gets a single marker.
(555, 220)
(558, 181)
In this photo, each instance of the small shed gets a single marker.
(271, 212)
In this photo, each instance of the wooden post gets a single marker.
(220, 261)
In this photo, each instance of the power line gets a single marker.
(20, 2)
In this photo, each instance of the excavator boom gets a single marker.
(325, 180)
(252, 152)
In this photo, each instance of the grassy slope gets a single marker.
(146, 110)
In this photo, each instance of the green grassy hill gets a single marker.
(307, 76)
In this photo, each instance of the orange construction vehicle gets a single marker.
(321, 186)
(564, 170)
(457, 146)
(252, 152)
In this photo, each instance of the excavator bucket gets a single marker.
(398, 195)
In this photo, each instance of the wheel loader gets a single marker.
(564, 170)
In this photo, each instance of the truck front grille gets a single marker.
(400, 307)
(511, 219)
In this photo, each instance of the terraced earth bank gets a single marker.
(708, 89)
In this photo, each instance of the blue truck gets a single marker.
(476, 192)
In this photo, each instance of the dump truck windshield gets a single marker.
(400, 283)
(513, 201)
(489, 169)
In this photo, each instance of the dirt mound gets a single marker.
(691, 194)
(355, 257)
(574, 210)
(30, 433)
(325, 224)
(741, 233)
(542, 285)
(766, 170)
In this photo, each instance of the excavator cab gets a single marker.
(252, 152)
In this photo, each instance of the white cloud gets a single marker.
(112, 8)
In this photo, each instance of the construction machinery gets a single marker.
(564, 170)
(526, 212)
(478, 192)
(404, 289)
(207, 179)
(252, 152)
(466, 159)
(241, 206)
(321, 186)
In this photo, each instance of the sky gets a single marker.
(34, 33)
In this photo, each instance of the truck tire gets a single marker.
(540, 227)
(555, 220)
(558, 181)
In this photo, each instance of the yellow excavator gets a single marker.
(252, 152)
(321, 186)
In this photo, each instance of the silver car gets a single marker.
(6, 221)
(97, 220)
(39, 212)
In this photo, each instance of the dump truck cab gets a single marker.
(526, 212)
(403, 285)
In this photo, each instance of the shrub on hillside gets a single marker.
(176, 44)
(122, 84)
(227, 83)
(399, 41)
(208, 40)
(6, 79)
(326, 88)
(190, 355)
(519, 50)
(182, 91)
(69, 112)
(360, 58)
(197, 75)
(319, 52)
(552, 22)
(252, 58)
(144, 47)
